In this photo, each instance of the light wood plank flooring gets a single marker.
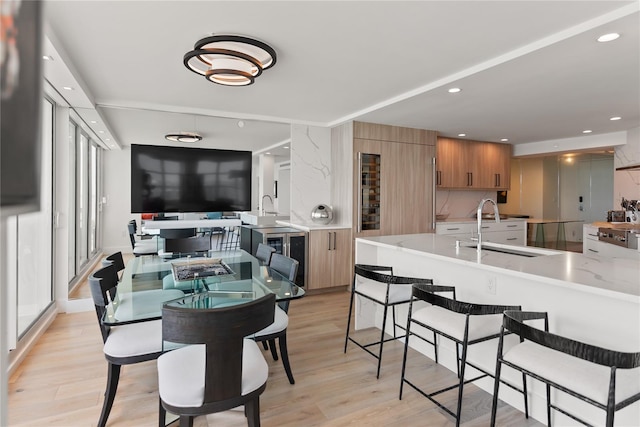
(62, 380)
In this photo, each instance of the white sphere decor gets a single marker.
(322, 214)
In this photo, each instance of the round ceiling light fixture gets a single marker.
(183, 137)
(230, 60)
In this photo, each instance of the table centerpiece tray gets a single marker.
(189, 270)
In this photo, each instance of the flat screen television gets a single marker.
(177, 179)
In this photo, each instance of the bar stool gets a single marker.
(382, 287)
(463, 323)
(607, 379)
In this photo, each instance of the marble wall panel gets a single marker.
(311, 172)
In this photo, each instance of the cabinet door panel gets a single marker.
(451, 165)
(329, 258)
(407, 188)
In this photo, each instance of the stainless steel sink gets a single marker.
(525, 251)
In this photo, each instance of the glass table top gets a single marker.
(193, 281)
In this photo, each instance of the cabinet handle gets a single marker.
(485, 226)
(512, 238)
(359, 193)
(497, 179)
(469, 179)
(438, 177)
(453, 229)
(334, 240)
(512, 225)
(593, 250)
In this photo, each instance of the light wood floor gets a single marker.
(61, 382)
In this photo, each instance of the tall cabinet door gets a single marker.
(407, 188)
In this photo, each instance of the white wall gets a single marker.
(116, 213)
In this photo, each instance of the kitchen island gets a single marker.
(590, 299)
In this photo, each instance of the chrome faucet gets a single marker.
(270, 199)
(479, 215)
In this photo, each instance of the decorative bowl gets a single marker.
(322, 214)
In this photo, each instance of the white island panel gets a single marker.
(596, 300)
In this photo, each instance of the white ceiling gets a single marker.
(529, 70)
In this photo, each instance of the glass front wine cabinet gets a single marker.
(369, 192)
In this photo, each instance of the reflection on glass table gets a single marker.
(247, 277)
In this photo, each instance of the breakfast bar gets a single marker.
(590, 299)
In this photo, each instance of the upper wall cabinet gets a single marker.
(393, 174)
(472, 165)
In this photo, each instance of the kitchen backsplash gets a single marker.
(462, 204)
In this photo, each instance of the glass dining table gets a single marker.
(220, 279)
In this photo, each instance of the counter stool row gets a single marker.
(606, 379)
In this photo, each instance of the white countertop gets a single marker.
(190, 223)
(483, 221)
(615, 277)
(313, 226)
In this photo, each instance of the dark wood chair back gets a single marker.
(222, 331)
(116, 260)
(131, 227)
(188, 245)
(177, 233)
(102, 282)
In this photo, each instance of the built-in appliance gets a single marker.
(287, 241)
(616, 216)
(620, 237)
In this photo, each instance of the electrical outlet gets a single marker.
(492, 285)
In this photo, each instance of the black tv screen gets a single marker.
(176, 179)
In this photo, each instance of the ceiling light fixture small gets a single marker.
(613, 119)
(67, 88)
(47, 57)
(240, 124)
(587, 131)
(230, 60)
(504, 139)
(462, 134)
(454, 90)
(183, 137)
(608, 37)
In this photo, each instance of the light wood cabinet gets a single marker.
(406, 185)
(464, 164)
(330, 258)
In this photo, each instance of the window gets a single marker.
(34, 239)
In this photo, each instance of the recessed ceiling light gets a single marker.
(587, 131)
(267, 152)
(608, 37)
(504, 139)
(615, 118)
(93, 122)
(108, 139)
(47, 57)
(462, 134)
(67, 88)
(454, 90)
(240, 124)
(285, 147)
(100, 131)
